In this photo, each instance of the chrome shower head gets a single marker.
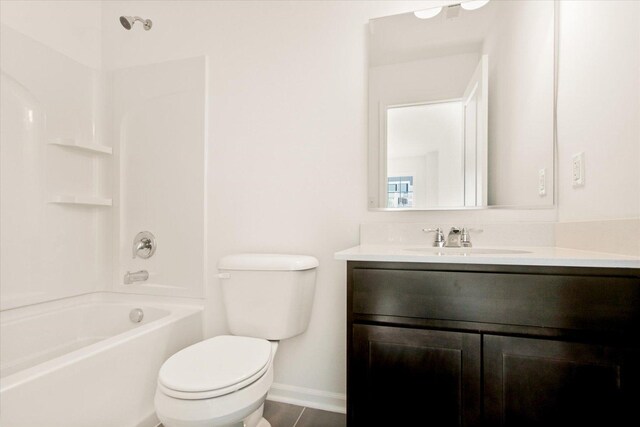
(128, 21)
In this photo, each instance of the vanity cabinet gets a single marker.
(488, 345)
(545, 382)
(398, 373)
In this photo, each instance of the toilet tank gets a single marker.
(268, 295)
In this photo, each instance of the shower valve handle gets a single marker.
(144, 245)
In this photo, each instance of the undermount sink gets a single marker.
(467, 251)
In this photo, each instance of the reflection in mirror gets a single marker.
(461, 107)
(424, 143)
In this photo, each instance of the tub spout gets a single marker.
(137, 276)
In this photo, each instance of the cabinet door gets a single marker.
(532, 382)
(411, 377)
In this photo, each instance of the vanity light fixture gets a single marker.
(473, 4)
(428, 13)
(435, 11)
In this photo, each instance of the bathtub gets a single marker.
(82, 362)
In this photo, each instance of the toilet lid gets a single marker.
(214, 364)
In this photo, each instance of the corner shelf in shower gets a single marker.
(80, 200)
(70, 142)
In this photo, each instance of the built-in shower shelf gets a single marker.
(72, 143)
(80, 200)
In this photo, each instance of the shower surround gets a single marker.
(91, 156)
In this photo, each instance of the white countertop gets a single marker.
(544, 256)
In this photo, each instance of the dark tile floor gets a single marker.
(286, 415)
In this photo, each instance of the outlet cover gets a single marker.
(542, 182)
(577, 170)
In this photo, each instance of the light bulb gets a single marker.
(473, 5)
(428, 13)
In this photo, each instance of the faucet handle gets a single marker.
(439, 240)
(144, 245)
(465, 238)
(437, 230)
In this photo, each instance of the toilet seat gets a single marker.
(215, 367)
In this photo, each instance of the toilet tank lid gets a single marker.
(267, 262)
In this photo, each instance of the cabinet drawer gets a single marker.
(570, 301)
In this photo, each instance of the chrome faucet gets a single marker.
(457, 238)
(453, 238)
(137, 276)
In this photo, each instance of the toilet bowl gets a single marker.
(224, 380)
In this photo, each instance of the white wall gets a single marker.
(287, 161)
(69, 27)
(599, 109)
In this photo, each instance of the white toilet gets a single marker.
(223, 381)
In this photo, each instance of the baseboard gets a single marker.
(310, 398)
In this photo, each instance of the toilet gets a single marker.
(224, 380)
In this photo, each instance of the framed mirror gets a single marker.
(462, 107)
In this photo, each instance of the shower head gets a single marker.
(128, 21)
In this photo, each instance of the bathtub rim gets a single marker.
(177, 311)
(14, 313)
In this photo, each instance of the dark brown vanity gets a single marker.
(492, 345)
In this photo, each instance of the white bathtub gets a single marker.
(82, 362)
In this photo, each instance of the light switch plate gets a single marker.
(577, 170)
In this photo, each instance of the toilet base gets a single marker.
(256, 419)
